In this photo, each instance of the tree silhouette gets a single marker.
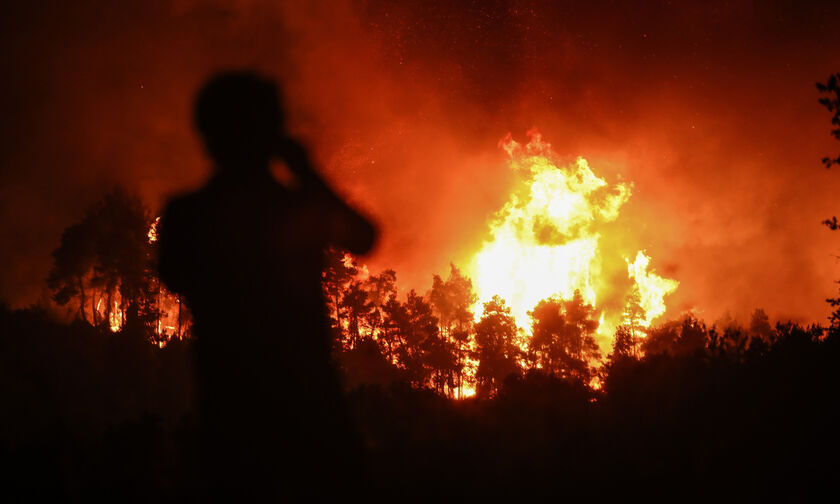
(339, 271)
(679, 337)
(731, 341)
(125, 255)
(629, 334)
(452, 301)
(365, 364)
(496, 349)
(73, 263)
(109, 251)
(380, 288)
(442, 360)
(760, 325)
(760, 332)
(563, 341)
(625, 344)
(634, 316)
(355, 307)
(413, 338)
(831, 88)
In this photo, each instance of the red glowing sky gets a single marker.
(708, 107)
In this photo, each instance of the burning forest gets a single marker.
(541, 268)
(420, 249)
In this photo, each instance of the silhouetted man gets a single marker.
(247, 252)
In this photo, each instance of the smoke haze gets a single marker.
(709, 108)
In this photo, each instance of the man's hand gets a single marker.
(296, 157)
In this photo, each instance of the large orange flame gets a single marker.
(544, 242)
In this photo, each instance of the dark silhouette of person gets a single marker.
(246, 252)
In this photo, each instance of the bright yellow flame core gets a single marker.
(652, 288)
(544, 241)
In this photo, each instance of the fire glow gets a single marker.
(170, 323)
(544, 242)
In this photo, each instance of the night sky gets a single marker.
(709, 108)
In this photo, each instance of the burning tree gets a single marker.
(107, 257)
(340, 270)
(426, 339)
(452, 301)
(106, 265)
(531, 301)
(536, 282)
(380, 289)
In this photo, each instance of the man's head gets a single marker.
(240, 119)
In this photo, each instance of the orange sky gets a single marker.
(709, 108)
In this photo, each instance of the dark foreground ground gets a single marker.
(87, 414)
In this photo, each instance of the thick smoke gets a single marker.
(710, 110)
